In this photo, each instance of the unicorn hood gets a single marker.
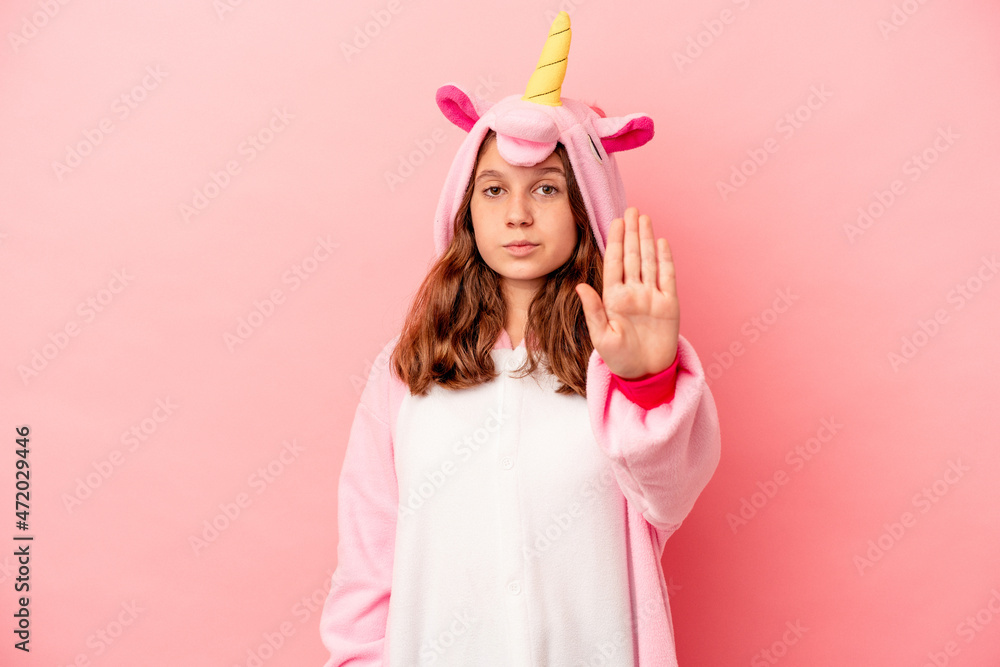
(529, 126)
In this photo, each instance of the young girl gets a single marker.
(525, 446)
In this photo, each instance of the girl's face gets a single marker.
(512, 205)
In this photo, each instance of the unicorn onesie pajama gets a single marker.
(506, 524)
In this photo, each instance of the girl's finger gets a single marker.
(647, 244)
(667, 279)
(631, 259)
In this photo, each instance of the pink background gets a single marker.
(114, 514)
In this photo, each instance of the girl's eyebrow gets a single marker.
(492, 173)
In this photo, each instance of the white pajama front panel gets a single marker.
(511, 535)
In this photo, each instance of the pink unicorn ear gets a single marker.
(459, 107)
(622, 133)
(598, 110)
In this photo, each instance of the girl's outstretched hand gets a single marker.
(635, 326)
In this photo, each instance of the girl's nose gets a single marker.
(518, 208)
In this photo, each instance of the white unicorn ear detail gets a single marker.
(459, 107)
(622, 133)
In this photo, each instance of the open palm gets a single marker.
(634, 327)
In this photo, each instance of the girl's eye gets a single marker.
(495, 190)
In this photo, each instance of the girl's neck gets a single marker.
(515, 333)
(518, 300)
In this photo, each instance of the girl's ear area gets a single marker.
(459, 107)
(622, 133)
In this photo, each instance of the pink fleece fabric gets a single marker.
(651, 391)
(662, 458)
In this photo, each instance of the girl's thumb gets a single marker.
(593, 310)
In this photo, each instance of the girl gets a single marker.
(525, 446)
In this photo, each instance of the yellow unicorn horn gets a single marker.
(546, 81)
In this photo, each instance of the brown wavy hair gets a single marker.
(460, 309)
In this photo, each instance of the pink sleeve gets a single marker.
(353, 621)
(651, 391)
(662, 456)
